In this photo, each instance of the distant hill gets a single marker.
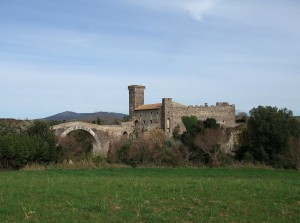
(105, 117)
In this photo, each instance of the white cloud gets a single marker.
(197, 9)
(278, 15)
(274, 14)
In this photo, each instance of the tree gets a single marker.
(193, 127)
(211, 123)
(293, 154)
(203, 138)
(41, 129)
(209, 144)
(25, 142)
(99, 121)
(149, 147)
(242, 117)
(189, 122)
(268, 132)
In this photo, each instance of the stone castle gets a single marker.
(167, 114)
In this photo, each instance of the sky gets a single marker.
(81, 55)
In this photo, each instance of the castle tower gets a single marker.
(136, 97)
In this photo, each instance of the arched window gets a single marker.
(125, 135)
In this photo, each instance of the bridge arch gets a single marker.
(97, 149)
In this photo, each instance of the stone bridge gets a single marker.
(102, 135)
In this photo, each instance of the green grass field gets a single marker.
(150, 195)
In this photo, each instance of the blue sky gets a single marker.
(80, 55)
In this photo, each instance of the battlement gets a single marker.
(130, 87)
(167, 99)
(222, 104)
(168, 114)
(218, 104)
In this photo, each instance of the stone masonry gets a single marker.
(102, 135)
(165, 115)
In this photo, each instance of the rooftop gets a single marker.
(149, 107)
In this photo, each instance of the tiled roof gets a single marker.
(149, 107)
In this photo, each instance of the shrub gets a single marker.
(27, 143)
(19, 150)
(267, 137)
(209, 145)
(149, 148)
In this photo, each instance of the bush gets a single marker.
(22, 146)
(149, 148)
(19, 150)
(204, 140)
(209, 144)
(76, 146)
(268, 136)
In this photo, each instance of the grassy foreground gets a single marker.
(150, 195)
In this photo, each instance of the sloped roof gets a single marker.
(149, 107)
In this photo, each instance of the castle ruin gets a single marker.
(167, 114)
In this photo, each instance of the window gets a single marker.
(125, 135)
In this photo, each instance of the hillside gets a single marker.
(105, 117)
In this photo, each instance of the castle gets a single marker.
(167, 114)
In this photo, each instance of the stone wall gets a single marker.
(168, 115)
(136, 97)
(222, 112)
(103, 135)
(233, 142)
(147, 119)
